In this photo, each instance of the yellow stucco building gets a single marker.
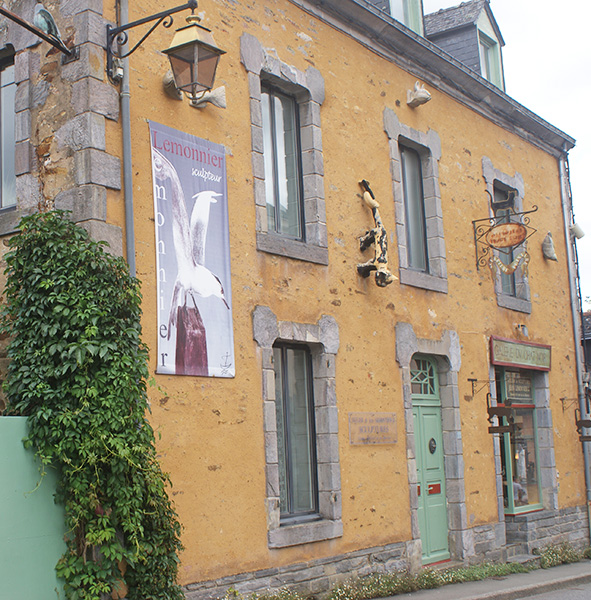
(336, 426)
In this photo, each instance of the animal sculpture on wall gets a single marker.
(377, 237)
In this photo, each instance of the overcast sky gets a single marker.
(547, 60)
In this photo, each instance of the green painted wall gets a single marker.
(31, 524)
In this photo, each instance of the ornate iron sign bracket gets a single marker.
(485, 239)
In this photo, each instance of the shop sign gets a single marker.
(518, 387)
(369, 428)
(514, 353)
(506, 235)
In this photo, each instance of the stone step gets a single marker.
(528, 560)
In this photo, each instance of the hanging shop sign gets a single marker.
(368, 428)
(497, 237)
(514, 353)
(195, 331)
(506, 235)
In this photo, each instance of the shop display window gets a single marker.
(519, 448)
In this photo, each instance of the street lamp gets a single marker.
(193, 54)
(193, 57)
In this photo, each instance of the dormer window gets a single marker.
(407, 12)
(469, 32)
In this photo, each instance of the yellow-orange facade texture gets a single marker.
(212, 434)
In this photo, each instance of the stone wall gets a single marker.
(312, 577)
(538, 529)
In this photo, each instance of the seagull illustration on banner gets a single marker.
(193, 277)
(44, 20)
(189, 241)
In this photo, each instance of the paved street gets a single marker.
(573, 592)
(566, 582)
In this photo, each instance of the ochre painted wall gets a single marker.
(212, 429)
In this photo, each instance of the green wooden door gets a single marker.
(432, 506)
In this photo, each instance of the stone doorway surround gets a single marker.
(447, 355)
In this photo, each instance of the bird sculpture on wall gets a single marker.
(548, 249)
(377, 236)
(193, 278)
(44, 21)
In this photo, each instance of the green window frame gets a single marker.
(522, 491)
(7, 132)
(282, 158)
(490, 67)
(296, 433)
(408, 12)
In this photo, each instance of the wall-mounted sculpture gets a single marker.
(379, 238)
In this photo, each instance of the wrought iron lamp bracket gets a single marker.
(117, 36)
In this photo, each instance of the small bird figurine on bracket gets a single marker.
(44, 21)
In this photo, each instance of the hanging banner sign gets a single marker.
(195, 331)
(513, 353)
(506, 235)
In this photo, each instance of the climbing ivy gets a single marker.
(78, 371)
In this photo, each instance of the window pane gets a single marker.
(524, 459)
(287, 166)
(300, 432)
(397, 10)
(521, 485)
(268, 155)
(412, 182)
(506, 256)
(8, 90)
(281, 433)
(295, 432)
(281, 156)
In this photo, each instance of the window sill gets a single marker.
(525, 510)
(305, 533)
(423, 280)
(275, 244)
(513, 303)
(9, 220)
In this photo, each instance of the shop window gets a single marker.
(283, 181)
(7, 134)
(519, 448)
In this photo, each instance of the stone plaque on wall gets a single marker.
(370, 428)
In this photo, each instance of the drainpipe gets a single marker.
(576, 315)
(125, 96)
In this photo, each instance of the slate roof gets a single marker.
(455, 17)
